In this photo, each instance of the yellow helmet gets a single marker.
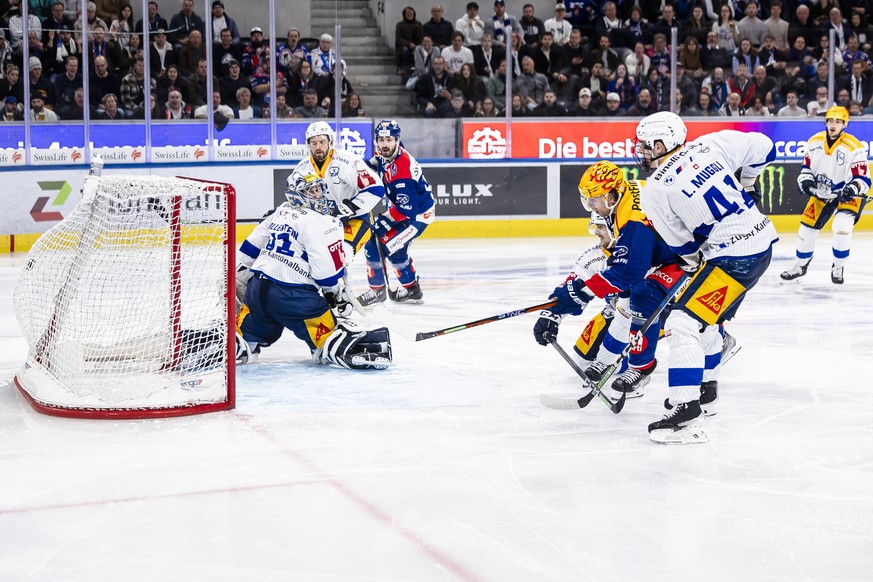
(599, 180)
(837, 112)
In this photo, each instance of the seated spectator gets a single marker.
(859, 26)
(532, 26)
(130, 54)
(773, 59)
(606, 55)
(455, 107)
(255, 51)
(424, 55)
(155, 21)
(549, 107)
(597, 82)
(323, 57)
(854, 53)
(16, 25)
(11, 84)
(819, 80)
(803, 26)
(531, 85)
(777, 27)
(433, 89)
(733, 108)
(860, 84)
(681, 109)
(638, 63)
(712, 55)
(471, 26)
(549, 60)
(183, 23)
(488, 109)
(223, 52)
(67, 83)
(133, 88)
(457, 54)
(198, 81)
(192, 52)
(58, 50)
(613, 105)
(717, 87)
(767, 89)
(326, 88)
(658, 87)
(624, 86)
(687, 86)
(745, 55)
(559, 26)
(660, 55)
(792, 109)
(518, 108)
(39, 83)
(495, 86)
(834, 21)
(291, 53)
(667, 22)
(471, 86)
(173, 81)
(575, 55)
(100, 46)
(109, 109)
(705, 106)
(437, 28)
(157, 112)
(202, 112)
(856, 109)
(56, 21)
(121, 26)
(407, 36)
(231, 83)
(310, 108)
(742, 85)
(352, 106)
(843, 99)
(751, 27)
(689, 58)
(176, 108)
(758, 108)
(161, 54)
(636, 29)
(485, 58)
(300, 82)
(282, 109)
(698, 26)
(221, 21)
(644, 105)
(38, 111)
(582, 107)
(800, 54)
(818, 106)
(822, 52)
(11, 112)
(261, 83)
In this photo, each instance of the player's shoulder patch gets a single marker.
(851, 142)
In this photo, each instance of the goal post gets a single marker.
(128, 304)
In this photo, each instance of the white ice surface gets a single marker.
(446, 467)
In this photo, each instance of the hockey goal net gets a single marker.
(127, 305)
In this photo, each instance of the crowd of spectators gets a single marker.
(613, 58)
(244, 69)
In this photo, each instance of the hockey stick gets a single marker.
(615, 407)
(559, 403)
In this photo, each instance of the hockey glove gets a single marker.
(849, 193)
(395, 240)
(340, 304)
(806, 187)
(572, 297)
(243, 276)
(751, 187)
(345, 210)
(690, 263)
(546, 327)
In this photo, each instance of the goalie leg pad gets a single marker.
(354, 348)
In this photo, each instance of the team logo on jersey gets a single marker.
(321, 331)
(809, 212)
(336, 253)
(714, 300)
(620, 252)
(334, 172)
(841, 158)
(586, 333)
(402, 199)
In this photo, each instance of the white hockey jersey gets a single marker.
(348, 177)
(695, 203)
(296, 246)
(591, 261)
(831, 168)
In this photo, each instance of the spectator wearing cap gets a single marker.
(155, 21)
(39, 84)
(16, 24)
(499, 21)
(220, 21)
(583, 106)
(559, 26)
(471, 25)
(161, 54)
(183, 23)
(192, 53)
(11, 111)
(254, 51)
(310, 108)
(613, 105)
(438, 28)
(532, 26)
(231, 83)
(38, 111)
(291, 52)
(59, 50)
(66, 84)
(11, 83)
(55, 22)
(102, 81)
(323, 57)
(224, 52)
(407, 36)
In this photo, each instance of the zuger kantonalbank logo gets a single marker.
(62, 191)
(352, 141)
(486, 143)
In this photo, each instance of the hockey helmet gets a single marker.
(387, 128)
(599, 227)
(599, 181)
(664, 126)
(837, 112)
(308, 191)
(320, 128)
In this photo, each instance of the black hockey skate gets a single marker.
(595, 371)
(681, 426)
(836, 275)
(795, 272)
(708, 398)
(411, 294)
(632, 381)
(372, 296)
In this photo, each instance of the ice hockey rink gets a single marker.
(447, 467)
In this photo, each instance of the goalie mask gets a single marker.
(309, 191)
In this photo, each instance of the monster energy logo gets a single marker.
(772, 187)
(631, 172)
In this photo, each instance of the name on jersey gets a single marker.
(706, 173)
(284, 228)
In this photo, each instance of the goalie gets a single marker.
(291, 275)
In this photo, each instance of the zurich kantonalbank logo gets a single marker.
(486, 143)
(351, 140)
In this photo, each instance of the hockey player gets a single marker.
(834, 176)
(410, 209)
(352, 187)
(641, 267)
(291, 272)
(714, 227)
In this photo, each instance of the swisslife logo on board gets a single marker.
(120, 155)
(57, 156)
(179, 154)
(11, 157)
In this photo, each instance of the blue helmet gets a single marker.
(387, 128)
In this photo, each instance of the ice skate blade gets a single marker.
(709, 409)
(638, 393)
(687, 435)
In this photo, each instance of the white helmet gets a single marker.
(664, 126)
(319, 128)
